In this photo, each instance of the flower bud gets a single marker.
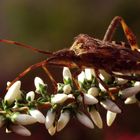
(109, 105)
(84, 119)
(50, 118)
(66, 73)
(105, 76)
(23, 119)
(38, 81)
(130, 100)
(110, 117)
(37, 115)
(63, 120)
(13, 93)
(88, 99)
(89, 73)
(95, 116)
(94, 91)
(67, 89)
(59, 98)
(19, 129)
(121, 81)
(81, 77)
(30, 96)
(52, 130)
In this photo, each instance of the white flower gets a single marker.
(37, 115)
(130, 91)
(94, 91)
(89, 73)
(13, 93)
(130, 100)
(81, 77)
(23, 119)
(67, 89)
(87, 99)
(84, 119)
(66, 73)
(104, 75)
(38, 81)
(52, 130)
(2, 120)
(59, 98)
(102, 88)
(121, 81)
(19, 129)
(95, 116)
(50, 118)
(63, 120)
(30, 96)
(109, 105)
(110, 117)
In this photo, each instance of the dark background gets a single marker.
(51, 25)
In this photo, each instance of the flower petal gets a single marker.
(110, 117)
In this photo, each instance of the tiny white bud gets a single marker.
(95, 116)
(110, 117)
(84, 119)
(52, 130)
(19, 129)
(130, 91)
(50, 118)
(63, 120)
(8, 83)
(121, 81)
(66, 73)
(130, 100)
(71, 96)
(137, 83)
(89, 73)
(94, 91)
(38, 81)
(104, 75)
(37, 115)
(24, 119)
(13, 93)
(88, 99)
(67, 89)
(81, 77)
(30, 96)
(109, 105)
(102, 88)
(59, 98)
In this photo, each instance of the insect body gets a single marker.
(88, 52)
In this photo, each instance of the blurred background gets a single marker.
(52, 25)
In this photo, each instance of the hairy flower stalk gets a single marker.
(79, 100)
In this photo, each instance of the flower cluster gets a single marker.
(20, 108)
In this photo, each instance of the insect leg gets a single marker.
(32, 67)
(128, 33)
(103, 84)
(25, 46)
(51, 78)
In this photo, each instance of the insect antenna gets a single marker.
(25, 46)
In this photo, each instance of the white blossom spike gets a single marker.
(95, 116)
(88, 99)
(94, 91)
(130, 91)
(50, 118)
(84, 119)
(30, 96)
(66, 73)
(89, 73)
(109, 105)
(13, 93)
(19, 129)
(67, 89)
(110, 117)
(37, 115)
(38, 81)
(23, 119)
(52, 130)
(81, 77)
(63, 120)
(59, 98)
(130, 100)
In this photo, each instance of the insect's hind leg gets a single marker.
(128, 33)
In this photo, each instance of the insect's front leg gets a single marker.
(128, 33)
